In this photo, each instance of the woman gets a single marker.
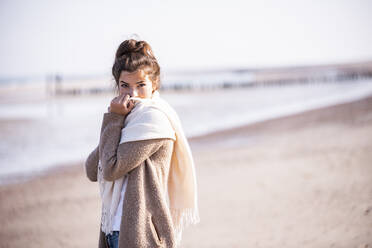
(143, 162)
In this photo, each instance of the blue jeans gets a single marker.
(113, 239)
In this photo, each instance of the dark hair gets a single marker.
(133, 55)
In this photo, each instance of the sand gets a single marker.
(298, 181)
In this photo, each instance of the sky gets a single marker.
(76, 37)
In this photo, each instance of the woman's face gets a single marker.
(136, 84)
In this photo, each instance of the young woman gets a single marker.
(143, 162)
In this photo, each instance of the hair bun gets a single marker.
(130, 46)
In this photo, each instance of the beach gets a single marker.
(303, 180)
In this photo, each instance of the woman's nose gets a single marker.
(133, 93)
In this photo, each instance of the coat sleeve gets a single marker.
(119, 159)
(91, 165)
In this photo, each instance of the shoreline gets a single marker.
(200, 114)
(293, 122)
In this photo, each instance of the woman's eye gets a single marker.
(142, 85)
(124, 85)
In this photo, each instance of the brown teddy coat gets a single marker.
(146, 220)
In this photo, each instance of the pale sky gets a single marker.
(80, 37)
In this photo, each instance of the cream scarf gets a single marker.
(141, 124)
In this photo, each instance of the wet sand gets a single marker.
(298, 181)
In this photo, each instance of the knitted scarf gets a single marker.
(181, 188)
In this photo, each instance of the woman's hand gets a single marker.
(121, 105)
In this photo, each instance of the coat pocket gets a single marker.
(155, 230)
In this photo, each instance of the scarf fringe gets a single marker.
(106, 222)
(182, 218)
(107, 218)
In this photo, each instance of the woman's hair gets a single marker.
(133, 55)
